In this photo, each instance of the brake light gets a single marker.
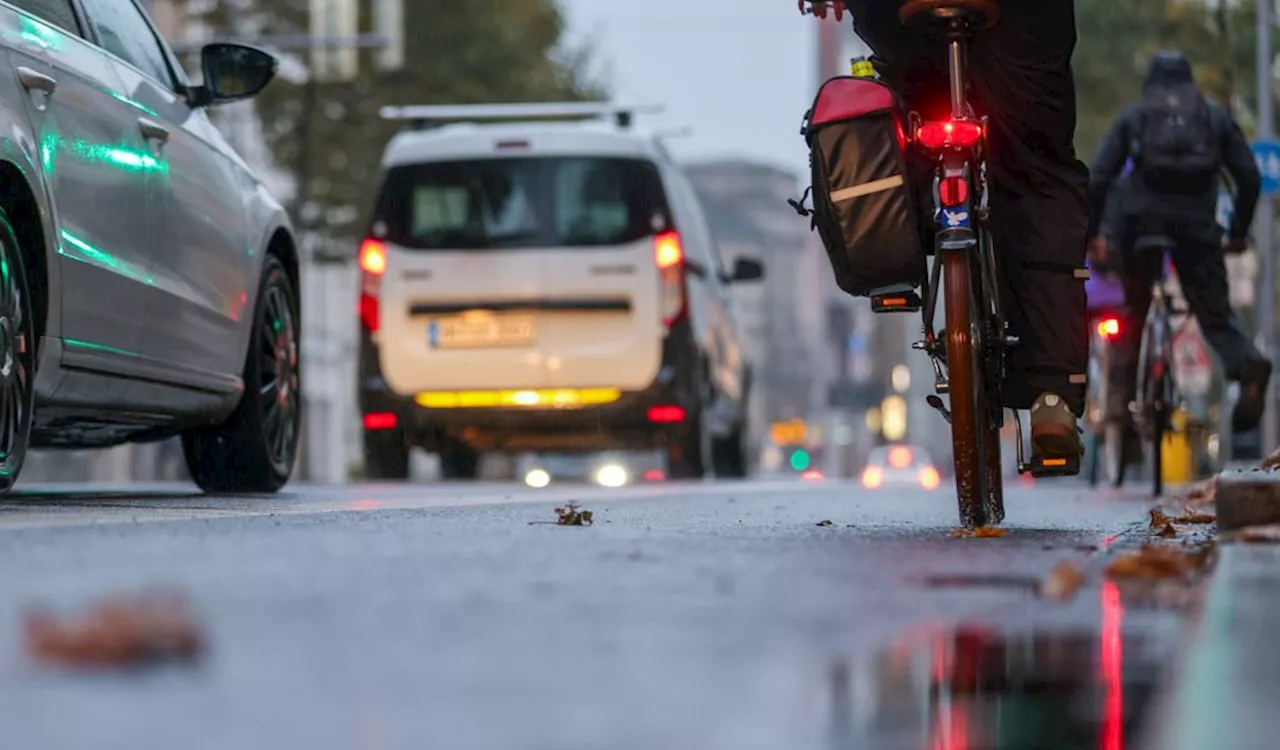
(949, 134)
(380, 421)
(873, 477)
(666, 414)
(373, 264)
(900, 458)
(1109, 328)
(668, 256)
(929, 478)
(953, 191)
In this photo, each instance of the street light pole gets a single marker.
(1266, 220)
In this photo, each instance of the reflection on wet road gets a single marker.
(974, 688)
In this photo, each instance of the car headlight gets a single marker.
(537, 478)
(612, 475)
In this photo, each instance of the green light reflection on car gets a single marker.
(37, 33)
(100, 347)
(95, 256)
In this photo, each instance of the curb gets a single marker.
(1248, 498)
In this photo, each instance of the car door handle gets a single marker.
(153, 131)
(35, 80)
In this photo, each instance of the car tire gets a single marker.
(386, 455)
(729, 454)
(254, 450)
(685, 450)
(458, 462)
(17, 358)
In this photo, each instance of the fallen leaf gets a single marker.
(982, 532)
(1191, 516)
(118, 633)
(1272, 461)
(826, 523)
(1062, 582)
(1158, 520)
(1155, 563)
(1269, 534)
(571, 516)
(1167, 531)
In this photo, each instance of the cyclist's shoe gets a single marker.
(1254, 377)
(1056, 447)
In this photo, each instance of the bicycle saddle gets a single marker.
(981, 13)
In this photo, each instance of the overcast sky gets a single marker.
(741, 82)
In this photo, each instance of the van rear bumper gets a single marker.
(624, 424)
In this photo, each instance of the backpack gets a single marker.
(1178, 147)
(864, 206)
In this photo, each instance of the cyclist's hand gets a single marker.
(1098, 250)
(1235, 247)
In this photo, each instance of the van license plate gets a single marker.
(483, 333)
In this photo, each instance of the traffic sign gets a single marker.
(1267, 154)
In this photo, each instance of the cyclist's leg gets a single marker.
(1023, 80)
(1202, 272)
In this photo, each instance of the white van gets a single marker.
(540, 285)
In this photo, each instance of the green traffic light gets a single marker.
(800, 460)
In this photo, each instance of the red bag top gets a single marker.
(847, 98)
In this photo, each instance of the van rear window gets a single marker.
(487, 204)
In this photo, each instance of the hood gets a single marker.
(1169, 69)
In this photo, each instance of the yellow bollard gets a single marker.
(1176, 456)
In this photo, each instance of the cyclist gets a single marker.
(1180, 143)
(1022, 81)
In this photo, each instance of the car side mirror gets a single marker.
(233, 72)
(747, 269)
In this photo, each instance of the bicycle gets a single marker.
(1157, 391)
(971, 359)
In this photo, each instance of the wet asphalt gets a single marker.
(688, 616)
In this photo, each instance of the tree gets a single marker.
(329, 135)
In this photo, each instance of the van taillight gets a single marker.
(668, 255)
(373, 263)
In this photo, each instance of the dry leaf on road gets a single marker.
(1191, 516)
(826, 523)
(1272, 462)
(571, 516)
(982, 532)
(1155, 563)
(1158, 519)
(118, 633)
(1203, 495)
(1062, 582)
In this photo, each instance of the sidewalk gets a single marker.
(1224, 696)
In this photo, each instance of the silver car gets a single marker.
(148, 281)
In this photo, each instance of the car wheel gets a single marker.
(729, 455)
(386, 455)
(686, 449)
(17, 358)
(254, 450)
(459, 462)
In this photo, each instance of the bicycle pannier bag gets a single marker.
(863, 203)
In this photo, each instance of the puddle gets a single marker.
(979, 688)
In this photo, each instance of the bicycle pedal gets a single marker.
(1054, 466)
(896, 302)
(936, 403)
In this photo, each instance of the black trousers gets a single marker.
(1020, 77)
(1202, 272)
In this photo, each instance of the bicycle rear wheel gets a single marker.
(970, 420)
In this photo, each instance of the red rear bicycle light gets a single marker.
(953, 191)
(1109, 328)
(949, 134)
